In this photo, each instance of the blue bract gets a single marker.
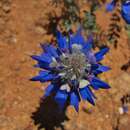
(71, 69)
(110, 6)
(125, 9)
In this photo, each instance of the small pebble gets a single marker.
(40, 30)
(107, 116)
(121, 110)
(7, 8)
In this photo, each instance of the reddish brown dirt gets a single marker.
(20, 35)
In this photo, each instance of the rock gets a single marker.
(40, 30)
(6, 8)
(121, 112)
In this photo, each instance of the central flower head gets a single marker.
(74, 65)
(72, 68)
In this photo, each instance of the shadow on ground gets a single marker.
(48, 115)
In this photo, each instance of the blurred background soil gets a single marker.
(22, 27)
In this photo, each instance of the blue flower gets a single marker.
(110, 6)
(125, 12)
(71, 69)
(125, 9)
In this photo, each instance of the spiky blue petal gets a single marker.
(88, 45)
(61, 98)
(125, 12)
(45, 58)
(94, 66)
(97, 69)
(97, 83)
(86, 95)
(110, 6)
(62, 43)
(101, 69)
(99, 55)
(43, 76)
(43, 65)
(91, 57)
(77, 38)
(50, 49)
(74, 100)
(49, 90)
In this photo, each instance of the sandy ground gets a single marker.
(22, 25)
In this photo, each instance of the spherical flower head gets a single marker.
(71, 69)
